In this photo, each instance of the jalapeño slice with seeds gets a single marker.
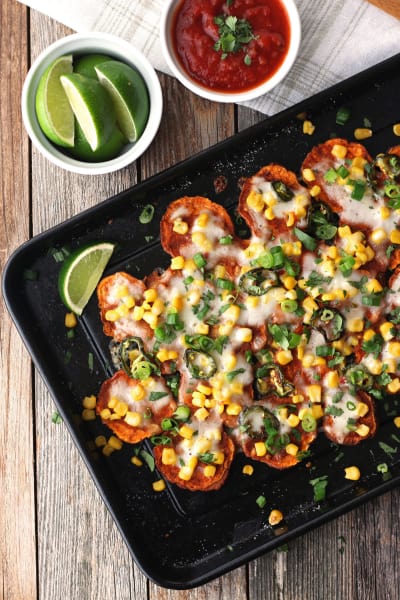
(270, 380)
(329, 322)
(201, 365)
(357, 376)
(283, 191)
(322, 222)
(258, 281)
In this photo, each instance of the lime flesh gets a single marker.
(129, 94)
(92, 107)
(53, 110)
(80, 274)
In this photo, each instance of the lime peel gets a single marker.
(53, 110)
(81, 272)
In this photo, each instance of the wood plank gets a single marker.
(17, 513)
(81, 553)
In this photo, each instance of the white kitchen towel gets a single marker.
(339, 38)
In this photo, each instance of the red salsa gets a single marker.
(231, 46)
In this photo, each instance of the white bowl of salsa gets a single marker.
(230, 50)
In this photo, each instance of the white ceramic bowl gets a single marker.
(196, 87)
(90, 43)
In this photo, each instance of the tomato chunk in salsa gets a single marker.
(196, 33)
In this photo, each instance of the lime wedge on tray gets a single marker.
(129, 94)
(92, 106)
(81, 272)
(53, 110)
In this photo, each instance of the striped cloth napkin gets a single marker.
(339, 38)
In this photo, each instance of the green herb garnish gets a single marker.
(234, 35)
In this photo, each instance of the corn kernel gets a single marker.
(289, 282)
(275, 517)
(248, 470)
(309, 304)
(168, 456)
(292, 449)
(308, 127)
(133, 418)
(293, 420)
(201, 240)
(308, 360)
(352, 473)
(202, 220)
(290, 220)
(115, 442)
(135, 460)
(121, 408)
(317, 411)
(209, 470)
(314, 392)
(88, 414)
(395, 236)
(70, 320)
(260, 449)
(233, 409)
(362, 133)
(368, 335)
(297, 398)
(386, 330)
(100, 441)
(355, 325)
(186, 432)
(332, 379)
(177, 263)
(255, 201)
(137, 313)
(362, 430)
(394, 386)
(396, 129)
(339, 151)
(151, 319)
(252, 301)
(308, 175)
(150, 295)
(229, 361)
(269, 213)
(202, 414)
(396, 421)
(89, 402)
(284, 357)
(394, 349)
(390, 365)
(232, 313)
(244, 334)
(315, 191)
(111, 315)
(107, 450)
(105, 414)
(180, 226)
(378, 236)
(159, 485)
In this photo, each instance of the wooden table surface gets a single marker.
(57, 540)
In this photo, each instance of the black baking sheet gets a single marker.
(182, 539)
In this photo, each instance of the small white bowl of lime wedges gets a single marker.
(92, 103)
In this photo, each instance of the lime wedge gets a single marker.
(53, 110)
(130, 96)
(81, 272)
(92, 107)
(85, 64)
(107, 151)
